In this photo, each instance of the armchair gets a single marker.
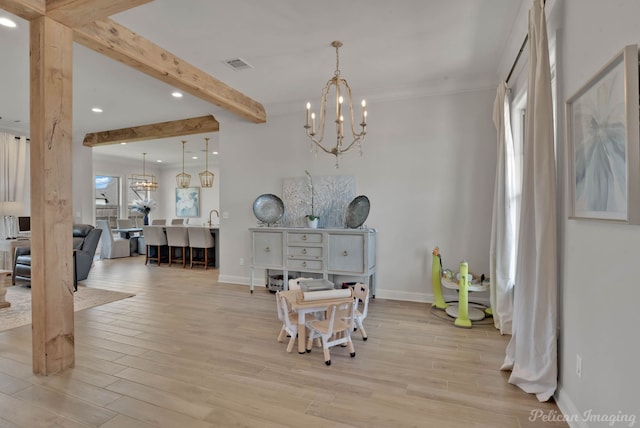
(112, 248)
(85, 242)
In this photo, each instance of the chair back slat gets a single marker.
(361, 294)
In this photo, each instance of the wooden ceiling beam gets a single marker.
(72, 13)
(176, 128)
(93, 30)
(76, 13)
(119, 43)
(25, 9)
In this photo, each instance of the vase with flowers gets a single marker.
(144, 207)
(312, 219)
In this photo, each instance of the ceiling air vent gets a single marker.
(238, 64)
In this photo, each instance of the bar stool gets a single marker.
(200, 238)
(178, 239)
(154, 237)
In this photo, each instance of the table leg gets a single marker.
(75, 272)
(302, 334)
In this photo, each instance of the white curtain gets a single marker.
(532, 351)
(13, 168)
(503, 228)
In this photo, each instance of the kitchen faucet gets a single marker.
(210, 213)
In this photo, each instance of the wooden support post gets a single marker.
(51, 46)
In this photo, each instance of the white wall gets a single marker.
(598, 286)
(600, 291)
(83, 185)
(428, 169)
(209, 197)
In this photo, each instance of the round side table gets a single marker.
(452, 309)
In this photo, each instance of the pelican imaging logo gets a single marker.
(612, 419)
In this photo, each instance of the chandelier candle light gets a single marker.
(341, 87)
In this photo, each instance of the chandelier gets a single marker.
(183, 179)
(206, 176)
(342, 89)
(143, 182)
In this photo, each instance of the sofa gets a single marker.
(85, 242)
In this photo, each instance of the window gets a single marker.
(107, 199)
(133, 195)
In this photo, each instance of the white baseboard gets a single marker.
(404, 295)
(407, 296)
(569, 410)
(243, 280)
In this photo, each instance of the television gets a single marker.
(24, 225)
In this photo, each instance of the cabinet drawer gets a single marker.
(304, 252)
(297, 264)
(267, 249)
(346, 253)
(304, 238)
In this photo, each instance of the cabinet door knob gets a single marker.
(266, 250)
(304, 264)
(344, 253)
(304, 251)
(304, 237)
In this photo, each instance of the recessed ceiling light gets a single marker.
(96, 109)
(159, 161)
(215, 153)
(176, 94)
(6, 22)
(123, 143)
(194, 157)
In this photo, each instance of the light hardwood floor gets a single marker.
(188, 352)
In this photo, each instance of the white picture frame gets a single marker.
(602, 133)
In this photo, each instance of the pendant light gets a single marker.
(144, 182)
(183, 179)
(206, 176)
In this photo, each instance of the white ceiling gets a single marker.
(391, 49)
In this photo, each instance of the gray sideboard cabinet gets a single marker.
(344, 252)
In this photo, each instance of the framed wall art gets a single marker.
(188, 202)
(603, 143)
(332, 195)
